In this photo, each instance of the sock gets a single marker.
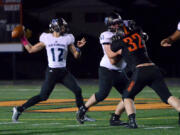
(116, 117)
(20, 109)
(132, 116)
(83, 108)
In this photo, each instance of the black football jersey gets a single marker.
(133, 48)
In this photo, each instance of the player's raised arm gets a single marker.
(32, 48)
(172, 38)
(76, 50)
(29, 47)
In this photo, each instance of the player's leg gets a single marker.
(115, 117)
(120, 81)
(70, 82)
(136, 84)
(105, 85)
(175, 103)
(46, 90)
(162, 90)
(91, 101)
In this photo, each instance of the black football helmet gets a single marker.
(58, 25)
(130, 24)
(112, 19)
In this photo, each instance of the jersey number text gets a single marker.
(130, 40)
(60, 53)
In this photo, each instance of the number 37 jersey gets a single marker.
(57, 48)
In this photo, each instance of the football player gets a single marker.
(145, 72)
(57, 43)
(109, 75)
(172, 38)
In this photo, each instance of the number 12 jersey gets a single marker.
(57, 48)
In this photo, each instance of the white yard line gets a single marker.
(43, 124)
(161, 127)
(82, 125)
(7, 123)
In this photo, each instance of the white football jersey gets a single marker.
(178, 27)
(57, 48)
(106, 38)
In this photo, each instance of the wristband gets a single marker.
(78, 50)
(24, 41)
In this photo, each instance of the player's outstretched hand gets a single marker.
(81, 43)
(165, 42)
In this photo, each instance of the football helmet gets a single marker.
(130, 24)
(58, 25)
(112, 19)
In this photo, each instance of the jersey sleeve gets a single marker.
(42, 38)
(178, 26)
(105, 38)
(71, 39)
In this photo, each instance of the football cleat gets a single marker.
(80, 114)
(16, 114)
(87, 118)
(132, 123)
(115, 121)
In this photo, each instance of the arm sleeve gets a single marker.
(71, 39)
(42, 38)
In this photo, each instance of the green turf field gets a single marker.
(151, 122)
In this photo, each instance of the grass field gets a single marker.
(150, 121)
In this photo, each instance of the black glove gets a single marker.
(116, 37)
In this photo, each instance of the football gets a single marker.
(18, 31)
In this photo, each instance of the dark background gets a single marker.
(158, 18)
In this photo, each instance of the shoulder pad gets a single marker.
(107, 34)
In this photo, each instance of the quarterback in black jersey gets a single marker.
(145, 73)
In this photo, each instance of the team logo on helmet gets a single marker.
(58, 25)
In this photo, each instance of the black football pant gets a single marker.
(147, 76)
(108, 79)
(53, 76)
